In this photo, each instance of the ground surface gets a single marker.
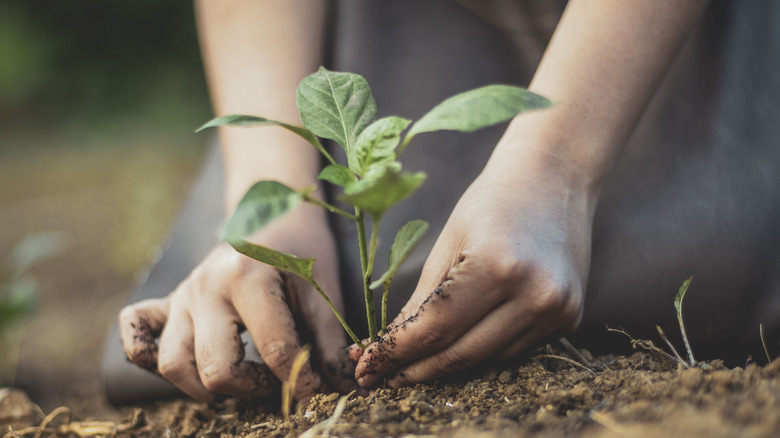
(117, 205)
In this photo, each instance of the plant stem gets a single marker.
(369, 297)
(384, 305)
(370, 269)
(331, 208)
(403, 146)
(338, 315)
(685, 338)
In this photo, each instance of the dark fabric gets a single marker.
(696, 191)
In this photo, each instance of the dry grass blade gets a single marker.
(763, 342)
(661, 355)
(671, 347)
(563, 359)
(576, 353)
(323, 428)
(288, 387)
(81, 429)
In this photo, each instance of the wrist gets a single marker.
(543, 143)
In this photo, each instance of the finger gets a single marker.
(441, 318)
(176, 361)
(354, 351)
(489, 336)
(267, 317)
(140, 325)
(329, 336)
(219, 354)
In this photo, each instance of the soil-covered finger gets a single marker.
(219, 354)
(263, 307)
(446, 313)
(140, 326)
(489, 336)
(176, 357)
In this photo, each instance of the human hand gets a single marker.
(192, 337)
(508, 269)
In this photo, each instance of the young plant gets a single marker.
(678, 300)
(18, 289)
(340, 107)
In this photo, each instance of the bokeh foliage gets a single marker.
(66, 64)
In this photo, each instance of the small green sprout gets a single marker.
(340, 107)
(678, 300)
(18, 290)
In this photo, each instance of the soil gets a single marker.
(548, 393)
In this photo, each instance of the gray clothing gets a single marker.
(696, 191)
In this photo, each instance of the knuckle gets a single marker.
(431, 339)
(571, 315)
(550, 297)
(453, 360)
(127, 315)
(172, 369)
(279, 354)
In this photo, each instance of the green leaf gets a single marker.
(17, 301)
(337, 174)
(405, 242)
(477, 109)
(681, 294)
(376, 144)
(34, 249)
(335, 105)
(264, 202)
(242, 120)
(286, 262)
(377, 194)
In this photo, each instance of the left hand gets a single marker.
(508, 269)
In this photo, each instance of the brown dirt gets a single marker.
(549, 394)
(116, 221)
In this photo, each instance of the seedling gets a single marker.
(678, 300)
(340, 107)
(17, 293)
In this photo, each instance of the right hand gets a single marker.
(192, 336)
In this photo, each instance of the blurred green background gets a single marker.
(98, 104)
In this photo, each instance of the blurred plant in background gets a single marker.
(18, 288)
(93, 66)
(98, 104)
(100, 93)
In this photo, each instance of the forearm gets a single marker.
(601, 68)
(255, 54)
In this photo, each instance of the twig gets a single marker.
(576, 353)
(564, 359)
(763, 341)
(647, 345)
(676, 355)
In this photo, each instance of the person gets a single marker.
(658, 161)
